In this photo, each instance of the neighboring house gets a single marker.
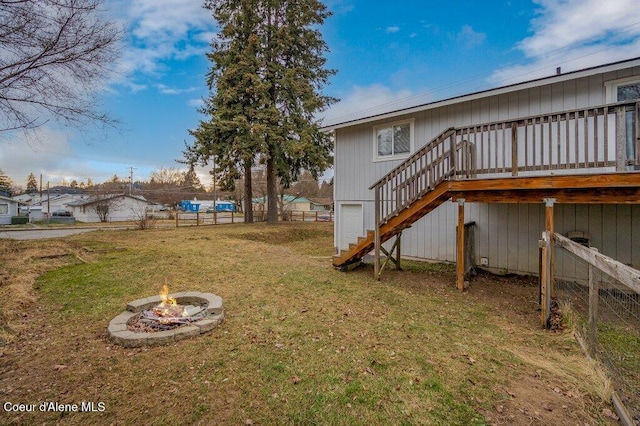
(8, 208)
(573, 124)
(321, 204)
(60, 202)
(285, 202)
(25, 198)
(115, 208)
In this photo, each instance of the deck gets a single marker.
(579, 156)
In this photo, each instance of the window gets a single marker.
(4, 208)
(629, 92)
(393, 140)
(625, 89)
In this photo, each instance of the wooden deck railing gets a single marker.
(594, 138)
(578, 139)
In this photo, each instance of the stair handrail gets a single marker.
(416, 155)
(415, 176)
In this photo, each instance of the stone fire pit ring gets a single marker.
(121, 335)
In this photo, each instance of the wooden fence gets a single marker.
(607, 299)
(219, 218)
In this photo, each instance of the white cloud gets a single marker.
(170, 29)
(43, 151)
(166, 90)
(564, 23)
(196, 103)
(470, 38)
(364, 101)
(575, 34)
(392, 30)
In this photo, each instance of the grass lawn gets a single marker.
(301, 344)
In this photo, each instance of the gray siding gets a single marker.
(506, 234)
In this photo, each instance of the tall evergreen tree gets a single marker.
(5, 183)
(32, 184)
(295, 71)
(230, 137)
(268, 68)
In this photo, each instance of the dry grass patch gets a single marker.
(302, 343)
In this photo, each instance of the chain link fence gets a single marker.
(607, 316)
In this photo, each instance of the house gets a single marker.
(321, 204)
(25, 198)
(288, 203)
(110, 208)
(8, 208)
(60, 201)
(505, 162)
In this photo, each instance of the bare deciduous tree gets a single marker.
(55, 55)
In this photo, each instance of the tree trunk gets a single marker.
(272, 193)
(248, 193)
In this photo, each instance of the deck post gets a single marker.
(548, 220)
(376, 263)
(460, 246)
(453, 166)
(637, 129)
(399, 242)
(545, 295)
(621, 140)
(514, 148)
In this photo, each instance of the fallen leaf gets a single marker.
(608, 413)
(59, 367)
(296, 380)
(279, 345)
(499, 409)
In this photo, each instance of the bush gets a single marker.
(19, 220)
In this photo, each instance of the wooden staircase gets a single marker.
(393, 227)
(449, 165)
(407, 193)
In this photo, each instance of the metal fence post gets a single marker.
(594, 290)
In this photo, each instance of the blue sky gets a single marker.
(387, 55)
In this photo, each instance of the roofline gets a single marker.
(2, 197)
(80, 203)
(585, 72)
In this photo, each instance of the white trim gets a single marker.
(401, 156)
(611, 87)
(340, 222)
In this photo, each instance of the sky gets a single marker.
(387, 55)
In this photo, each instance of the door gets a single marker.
(351, 224)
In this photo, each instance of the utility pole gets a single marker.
(48, 202)
(131, 169)
(213, 173)
(41, 187)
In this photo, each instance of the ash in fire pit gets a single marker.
(166, 315)
(166, 318)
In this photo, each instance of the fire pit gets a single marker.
(164, 319)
